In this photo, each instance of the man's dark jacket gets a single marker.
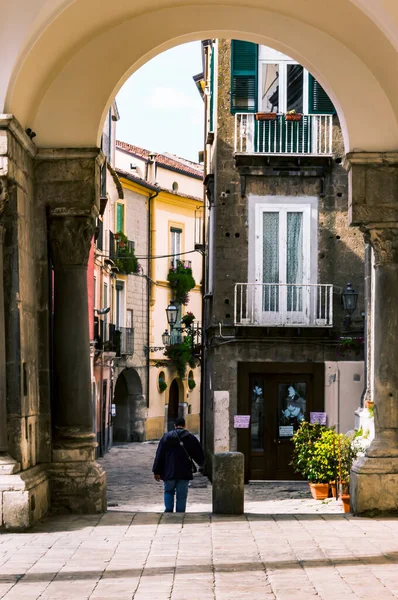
(171, 462)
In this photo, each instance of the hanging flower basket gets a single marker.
(188, 319)
(293, 117)
(263, 116)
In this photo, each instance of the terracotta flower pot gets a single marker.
(345, 498)
(265, 116)
(319, 491)
(332, 485)
(293, 117)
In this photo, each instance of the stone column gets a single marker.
(70, 239)
(374, 207)
(68, 185)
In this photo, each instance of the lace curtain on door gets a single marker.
(271, 261)
(294, 260)
(292, 271)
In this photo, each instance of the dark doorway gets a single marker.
(128, 424)
(172, 411)
(277, 401)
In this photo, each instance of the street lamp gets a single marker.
(172, 313)
(349, 298)
(165, 338)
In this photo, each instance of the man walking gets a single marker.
(173, 464)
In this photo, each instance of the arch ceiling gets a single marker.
(64, 60)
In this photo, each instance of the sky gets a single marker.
(160, 107)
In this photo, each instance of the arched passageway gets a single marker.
(128, 422)
(59, 75)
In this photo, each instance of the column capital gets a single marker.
(384, 241)
(70, 239)
(373, 188)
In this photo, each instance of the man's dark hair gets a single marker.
(179, 422)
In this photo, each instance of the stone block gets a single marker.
(221, 421)
(374, 486)
(26, 498)
(228, 483)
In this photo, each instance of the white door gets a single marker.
(282, 265)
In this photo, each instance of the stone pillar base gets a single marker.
(374, 486)
(77, 487)
(24, 498)
(228, 483)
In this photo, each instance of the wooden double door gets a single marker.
(278, 397)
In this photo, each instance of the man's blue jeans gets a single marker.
(178, 487)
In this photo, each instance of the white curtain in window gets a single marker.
(294, 260)
(271, 260)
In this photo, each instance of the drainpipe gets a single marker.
(150, 280)
(368, 322)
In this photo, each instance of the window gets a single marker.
(266, 80)
(175, 245)
(269, 87)
(282, 261)
(175, 186)
(119, 218)
(119, 304)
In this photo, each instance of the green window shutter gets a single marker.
(244, 76)
(211, 124)
(120, 218)
(318, 100)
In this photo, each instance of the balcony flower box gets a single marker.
(293, 117)
(263, 116)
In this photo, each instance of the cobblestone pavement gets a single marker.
(279, 550)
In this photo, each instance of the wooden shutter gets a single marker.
(120, 218)
(244, 79)
(318, 100)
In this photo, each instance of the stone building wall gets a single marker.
(340, 249)
(137, 302)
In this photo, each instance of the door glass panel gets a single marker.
(257, 414)
(292, 403)
(270, 88)
(294, 260)
(271, 261)
(294, 91)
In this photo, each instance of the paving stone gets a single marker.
(292, 549)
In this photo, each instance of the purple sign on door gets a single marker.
(241, 421)
(318, 417)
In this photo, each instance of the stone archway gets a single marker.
(129, 421)
(44, 87)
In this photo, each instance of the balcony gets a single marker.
(310, 135)
(112, 338)
(283, 305)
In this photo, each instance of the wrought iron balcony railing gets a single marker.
(283, 305)
(112, 338)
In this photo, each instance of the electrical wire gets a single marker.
(103, 255)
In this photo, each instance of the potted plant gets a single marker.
(125, 258)
(291, 115)
(180, 277)
(188, 319)
(179, 355)
(347, 452)
(314, 457)
(162, 385)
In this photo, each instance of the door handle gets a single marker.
(277, 441)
